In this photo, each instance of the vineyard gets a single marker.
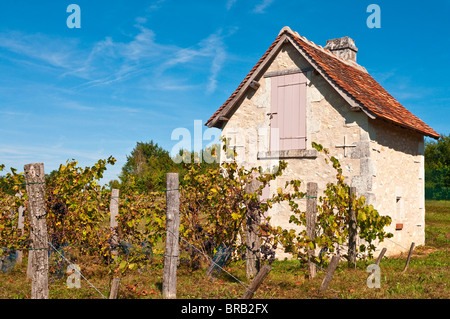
(100, 242)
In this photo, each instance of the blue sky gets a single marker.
(137, 70)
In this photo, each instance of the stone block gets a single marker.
(368, 167)
(362, 150)
(363, 183)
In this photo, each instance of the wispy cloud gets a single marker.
(52, 154)
(261, 7)
(155, 5)
(211, 48)
(15, 114)
(56, 52)
(76, 106)
(230, 3)
(401, 87)
(215, 44)
(108, 61)
(171, 85)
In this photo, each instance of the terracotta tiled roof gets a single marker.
(353, 80)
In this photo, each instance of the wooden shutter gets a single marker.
(288, 112)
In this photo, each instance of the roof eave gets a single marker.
(215, 121)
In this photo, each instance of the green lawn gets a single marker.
(437, 230)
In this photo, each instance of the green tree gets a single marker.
(437, 168)
(148, 164)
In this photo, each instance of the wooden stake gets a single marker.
(20, 225)
(380, 256)
(169, 287)
(35, 186)
(409, 256)
(352, 231)
(252, 240)
(114, 212)
(257, 281)
(330, 272)
(311, 215)
(114, 288)
(30, 265)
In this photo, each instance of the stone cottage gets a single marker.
(298, 93)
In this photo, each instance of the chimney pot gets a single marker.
(344, 48)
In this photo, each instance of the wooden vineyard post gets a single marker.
(252, 240)
(169, 286)
(352, 231)
(114, 212)
(35, 186)
(257, 281)
(311, 213)
(380, 256)
(20, 228)
(20, 225)
(30, 264)
(330, 272)
(409, 256)
(114, 288)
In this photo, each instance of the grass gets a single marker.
(437, 230)
(428, 276)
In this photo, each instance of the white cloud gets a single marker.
(262, 6)
(216, 45)
(15, 114)
(230, 3)
(51, 155)
(76, 106)
(156, 5)
(211, 48)
(55, 52)
(141, 20)
(109, 61)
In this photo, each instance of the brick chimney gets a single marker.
(344, 48)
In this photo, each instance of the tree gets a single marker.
(437, 168)
(437, 152)
(148, 164)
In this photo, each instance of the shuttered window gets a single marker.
(288, 112)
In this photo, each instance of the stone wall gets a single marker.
(398, 183)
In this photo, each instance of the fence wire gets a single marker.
(44, 242)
